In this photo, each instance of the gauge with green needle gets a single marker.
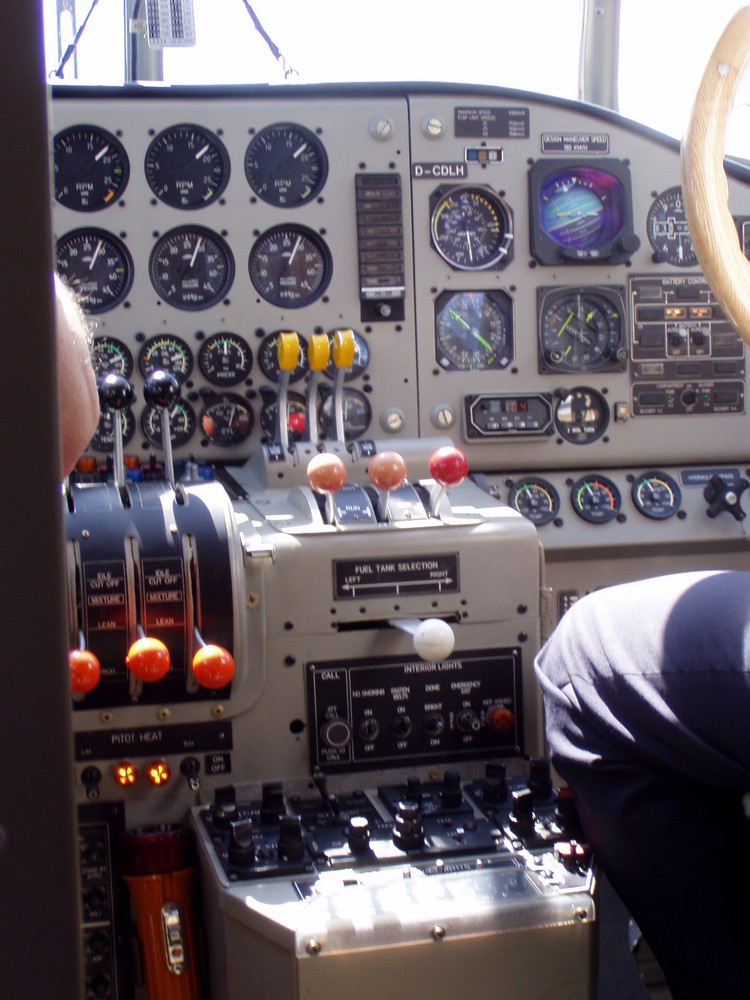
(473, 331)
(581, 329)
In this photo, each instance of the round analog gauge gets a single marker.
(357, 415)
(290, 266)
(225, 359)
(581, 209)
(191, 268)
(168, 354)
(472, 228)
(473, 331)
(536, 499)
(187, 166)
(226, 419)
(182, 423)
(109, 356)
(667, 230)
(656, 495)
(91, 168)
(268, 359)
(296, 417)
(361, 358)
(97, 266)
(596, 499)
(582, 416)
(104, 437)
(580, 330)
(286, 165)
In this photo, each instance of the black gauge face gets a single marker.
(166, 353)
(187, 166)
(667, 230)
(182, 424)
(226, 419)
(290, 266)
(286, 165)
(91, 168)
(361, 357)
(656, 495)
(110, 356)
(581, 330)
(357, 415)
(536, 499)
(191, 268)
(104, 438)
(472, 228)
(596, 499)
(96, 266)
(225, 359)
(582, 416)
(473, 331)
(296, 417)
(268, 359)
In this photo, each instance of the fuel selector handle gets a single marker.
(434, 639)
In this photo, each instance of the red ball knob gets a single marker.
(387, 470)
(448, 466)
(84, 671)
(213, 667)
(326, 473)
(148, 659)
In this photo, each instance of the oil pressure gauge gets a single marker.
(225, 359)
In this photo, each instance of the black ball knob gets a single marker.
(115, 392)
(358, 834)
(161, 389)
(291, 845)
(241, 845)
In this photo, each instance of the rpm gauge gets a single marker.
(581, 329)
(596, 499)
(286, 165)
(97, 266)
(191, 267)
(536, 499)
(473, 331)
(667, 230)
(187, 166)
(471, 228)
(290, 266)
(656, 495)
(91, 168)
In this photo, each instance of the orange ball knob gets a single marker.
(448, 466)
(148, 659)
(326, 473)
(387, 470)
(213, 667)
(84, 671)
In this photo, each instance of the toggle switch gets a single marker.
(433, 638)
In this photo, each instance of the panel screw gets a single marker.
(314, 947)
(437, 933)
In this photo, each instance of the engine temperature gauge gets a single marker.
(536, 499)
(656, 495)
(226, 419)
(596, 499)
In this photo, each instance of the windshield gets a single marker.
(530, 46)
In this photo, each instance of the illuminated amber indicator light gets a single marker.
(126, 774)
(158, 772)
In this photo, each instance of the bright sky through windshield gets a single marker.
(524, 44)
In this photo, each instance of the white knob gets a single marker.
(433, 638)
